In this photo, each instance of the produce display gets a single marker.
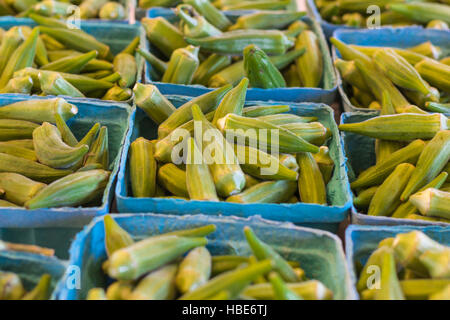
(77, 9)
(259, 169)
(412, 157)
(411, 266)
(42, 164)
(53, 59)
(178, 265)
(398, 13)
(273, 49)
(414, 79)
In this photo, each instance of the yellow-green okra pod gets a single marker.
(311, 185)
(387, 196)
(432, 202)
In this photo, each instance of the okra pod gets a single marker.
(194, 270)
(199, 181)
(311, 186)
(75, 189)
(387, 197)
(207, 102)
(142, 168)
(173, 179)
(209, 67)
(211, 13)
(163, 35)
(224, 167)
(149, 254)
(193, 24)
(233, 42)
(431, 162)
(278, 138)
(157, 285)
(232, 281)
(378, 173)
(399, 127)
(260, 71)
(154, 104)
(432, 202)
(278, 191)
(116, 237)
(310, 64)
(182, 65)
(263, 251)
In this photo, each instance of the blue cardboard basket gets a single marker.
(115, 34)
(130, 16)
(326, 95)
(118, 118)
(337, 189)
(390, 37)
(319, 252)
(30, 267)
(360, 152)
(361, 241)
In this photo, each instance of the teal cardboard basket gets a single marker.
(338, 189)
(320, 253)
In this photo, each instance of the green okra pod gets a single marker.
(157, 285)
(387, 197)
(207, 102)
(149, 254)
(75, 189)
(263, 251)
(311, 185)
(211, 13)
(116, 237)
(163, 35)
(432, 202)
(194, 270)
(232, 281)
(260, 71)
(173, 179)
(154, 104)
(233, 42)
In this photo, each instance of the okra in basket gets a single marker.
(412, 266)
(409, 179)
(53, 59)
(417, 79)
(357, 13)
(177, 265)
(213, 149)
(273, 49)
